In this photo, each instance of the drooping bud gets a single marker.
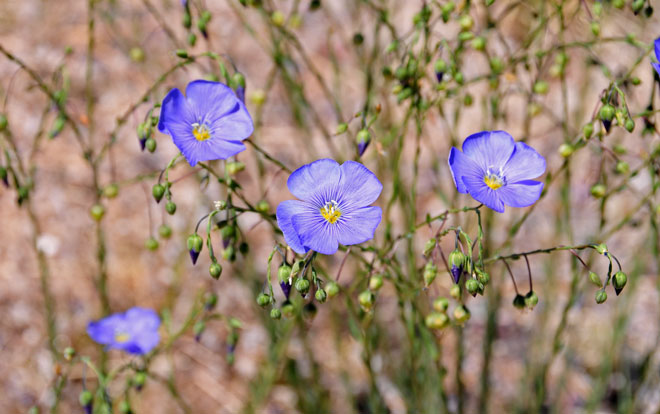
(151, 244)
(606, 114)
(321, 295)
(482, 276)
(275, 314)
(332, 289)
(288, 309)
(531, 299)
(262, 207)
(439, 67)
(150, 144)
(566, 149)
(622, 167)
(363, 139)
(215, 270)
(170, 207)
(210, 300)
(629, 125)
(619, 281)
(110, 191)
(429, 247)
(436, 320)
(601, 296)
(97, 211)
(302, 286)
(455, 291)
(195, 244)
(440, 304)
(541, 87)
(376, 282)
(461, 314)
(519, 301)
(158, 191)
(263, 300)
(239, 81)
(598, 190)
(227, 233)
(198, 330)
(588, 130)
(86, 400)
(456, 264)
(165, 231)
(367, 299)
(430, 272)
(595, 279)
(472, 286)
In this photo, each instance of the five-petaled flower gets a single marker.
(656, 66)
(333, 208)
(134, 331)
(496, 171)
(209, 123)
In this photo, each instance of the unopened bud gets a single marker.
(429, 247)
(619, 281)
(165, 231)
(598, 190)
(455, 291)
(367, 299)
(97, 212)
(440, 304)
(321, 295)
(531, 299)
(595, 279)
(601, 296)
(275, 314)
(302, 286)
(436, 320)
(519, 301)
(195, 244)
(472, 286)
(566, 149)
(461, 314)
(170, 207)
(332, 289)
(235, 167)
(430, 272)
(215, 270)
(456, 264)
(376, 282)
(151, 244)
(158, 191)
(263, 300)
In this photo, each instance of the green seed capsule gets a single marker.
(97, 212)
(461, 314)
(170, 207)
(440, 304)
(151, 244)
(367, 299)
(215, 270)
(165, 231)
(275, 314)
(601, 296)
(436, 320)
(111, 191)
(598, 190)
(376, 282)
(263, 300)
(332, 289)
(321, 295)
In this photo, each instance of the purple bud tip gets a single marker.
(88, 409)
(617, 291)
(193, 256)
(286, 288)
(456, 273)
(439, 75)
(198, 337)
(607, 124)
(362, 147)
(225, 242)
(142, 143)
(240, 93)
(5, 181)
(231, 349)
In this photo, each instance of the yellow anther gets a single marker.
(122, 337)
(201, 132)
(493, 181)
(331, 212)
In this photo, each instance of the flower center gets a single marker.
(122, 337)
(493, 180)
(330, 211)
(201, 132)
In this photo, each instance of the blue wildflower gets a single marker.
(496, 171)
(134, 331)
(656, 66)
(209, 123)
(333, 208)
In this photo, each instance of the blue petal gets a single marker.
(478, 189)
(307, 181)
(175, 112)
(285, 210)
(103, 331)
(521, 194)
(315, 232)
(358, 186)
(490, 149)
(460, 165)
(142, 319)
(211, 149)
(525, 163)
(358, 225)
(656, 44)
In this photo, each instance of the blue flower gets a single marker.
(333, 208)
(496, 171)
(656, 66)
(134, 331)
(209, 123)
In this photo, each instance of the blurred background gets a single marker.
(537, 69)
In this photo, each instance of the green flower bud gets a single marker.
(198, 329)
(636, 81)
(598, 190)
(430, 272)
(58, 126)
(332, 289)
(341, 128)
(275, 314)
(170, 207)
(283, 273)
(595, 28)
(210, 300)
(288, 309)
(601, 296)
(235, 167)
(457, 264)
(238, 79)
(637, 6)
(69, 353)
(367, 299)
(192, 39)
(598, 8)
(458, 77)
(436, 320)
(165, 231)
(136, 54)
(158, 191)
(215, 270)
(302, 286)
(467, 100)
(3, 122)
(531, 299)
(258, 97)
(441, 304)
(150, 144)
(376, 282)
(618, 3)
(455, 291)
(595, 279)
(229, 253)
(321, 295)
(182, 53)
(430, 246)
(606, 112)
(466, 22)
(541, 87)
(482, 276)
(622, 167)
(566, 149)
(277, 18)
(496, 65)
(97, 212)
(472, 286)
(363, 136)
(440, 66)
(519, 301)
(263, 300)
(461, 314)
(125, 407)
(195, 243)
(601, 248)
(151, 244)
(139, 379)
(479, 43)
(392, 46)
(465, 36)
(588, 130)
(111, 190)
(187, 20)
(619, 281)
(629, 125)
(86, 398)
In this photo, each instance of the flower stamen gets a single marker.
(122, 337)
(492, 180)
(330, 211)
(201, 132)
